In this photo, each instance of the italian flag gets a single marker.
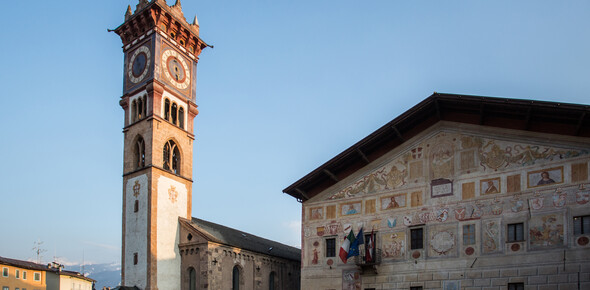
(346, 246)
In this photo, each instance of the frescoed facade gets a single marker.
(462, 192)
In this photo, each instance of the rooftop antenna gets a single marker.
(38, 250)
(83, 264)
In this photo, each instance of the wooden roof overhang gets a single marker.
(527, 115)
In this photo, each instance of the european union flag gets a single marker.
(354, 247)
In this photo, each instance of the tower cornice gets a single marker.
(157, 15)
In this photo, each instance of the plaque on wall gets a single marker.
(441, 187)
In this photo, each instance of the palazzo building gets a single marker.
(163, 246)
(460, 192)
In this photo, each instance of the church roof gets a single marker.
(239, 239)
(527, 115)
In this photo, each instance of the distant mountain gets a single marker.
(105, 274)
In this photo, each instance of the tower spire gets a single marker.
(195, 21)
(128, 13)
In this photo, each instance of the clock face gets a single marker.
(175, 69)
(139, 64)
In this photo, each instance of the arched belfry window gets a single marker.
(167, 110)
(133, 111)
(174, 113)
(139, 153)
(139, 108)
(144, 106)
(171, 157)
(192, 279)
(236, 278)
(181, 118)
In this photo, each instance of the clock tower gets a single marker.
(159, 92)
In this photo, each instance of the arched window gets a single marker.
(139, 153)
(192, 279)
(167, 109)
(174, 113)
(139, 108)
(133, 111)
(236, 278)
(181, 118)
(271, 281)
(144, 106)
(171, 157)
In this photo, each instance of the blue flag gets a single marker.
(354, 246)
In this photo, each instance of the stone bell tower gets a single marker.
(159, 92)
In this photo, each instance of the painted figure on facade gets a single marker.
(545, 179)
(491, 187)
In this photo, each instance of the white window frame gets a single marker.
(17, 273)
(24, 275)
(7, 272)
(35, 276)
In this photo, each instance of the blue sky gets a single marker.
(289, 85)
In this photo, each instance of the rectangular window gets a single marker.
(24, 276)
(416, 288)
(515, 232)
(17, 273)
(135, 258)
(582, 225)
(37, 276)
(331, 247)
(4, 272)
(468, 234)
(136, 206)
(417, 240)
(515, 286)
(5, 288)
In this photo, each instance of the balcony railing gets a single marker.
(363, 260)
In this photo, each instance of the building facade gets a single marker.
(159, 94)
(218, 257)
(459, 192)
(23, 275)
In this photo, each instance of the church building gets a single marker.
(458, 192)
(164, 247)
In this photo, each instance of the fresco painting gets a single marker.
(350, 208)
(546, 231)
(484, 153)
(442, 241)
(316, 213)
(393, 245)
(543, 177)
(351, 280)
(489, 186)
(393, 202)
(491, 236)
